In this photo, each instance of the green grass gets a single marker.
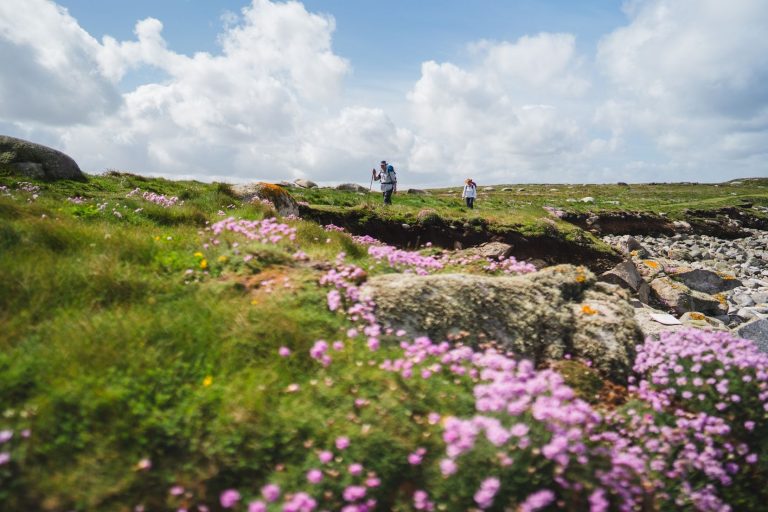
(108, 342)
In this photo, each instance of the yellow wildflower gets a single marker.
(222, 258)
(198, 254)
(203, 263)
(207, 381)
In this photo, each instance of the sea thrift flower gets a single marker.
(314, 476)
(537, 501)
(354, 493)
(355, 469)
(447, 467)
(257, 506)
(229, 498)
(488, 489)
(284, 351)
(325, 457)
(176, 490)
(342, 443)
(5, 457)
(5, 436)
(271, 492)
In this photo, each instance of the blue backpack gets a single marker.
(391, 175)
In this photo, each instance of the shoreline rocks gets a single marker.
(706, 282)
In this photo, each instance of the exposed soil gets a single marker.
(724, 223)
(551, 249)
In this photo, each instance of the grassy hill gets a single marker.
(146, 360)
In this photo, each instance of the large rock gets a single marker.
(706, 281)
(682, 299)
(21, 157)
(543, 315)
(625, 274)
(283, 201)
(756, 330)
(304, 183)
(351, 187)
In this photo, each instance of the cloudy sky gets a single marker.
(502, 91)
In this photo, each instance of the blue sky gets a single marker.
(526, 91)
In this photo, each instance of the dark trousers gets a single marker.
(388, 196)
(470, 202)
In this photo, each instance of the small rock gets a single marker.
(587, 199)
(415, 191)
(352, 187)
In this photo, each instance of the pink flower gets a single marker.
(284, 351)
(271, 492)
(355, 469)
(229, 498)
(354, 493)
(5, 458)
(372, 482)
(314, 476)
(342, 443)
(257, 506)
(176, 490)
(447, 467)
(537, 501)
(325, 457)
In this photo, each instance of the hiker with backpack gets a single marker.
(469, 193)
(388, 179)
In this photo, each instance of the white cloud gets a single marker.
(691, 75)
(677, 93)
(49, 67)
(507, 117)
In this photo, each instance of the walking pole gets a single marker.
(370, 187)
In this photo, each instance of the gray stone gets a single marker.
(706, 281)
(493, 250)
(587, 199)
(543, 315)
(627, 244)
(625, 274)
(21, 157)
(682, 299)
(351, 187)
(415, 191)
(757, 331)
(304, 183)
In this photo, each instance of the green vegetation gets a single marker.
(128, 334)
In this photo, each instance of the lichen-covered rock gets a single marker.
(702, 321)
(682, 299)
(24, 158)
(706, 281)
(544, 315)
(284, 202)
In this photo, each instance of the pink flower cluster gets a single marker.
(408, 261)
(158, 199)
(509, 266)
(332, 227)
(268, 231)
